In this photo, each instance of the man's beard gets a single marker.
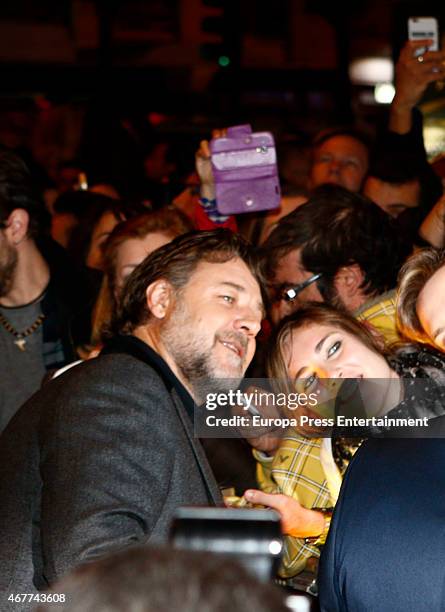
(7, 269)
(195, 359)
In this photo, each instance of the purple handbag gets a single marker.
(245, 170)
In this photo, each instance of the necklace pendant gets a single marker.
(20, 342)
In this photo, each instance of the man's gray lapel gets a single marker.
(198, 451)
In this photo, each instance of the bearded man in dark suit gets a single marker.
(101, 457)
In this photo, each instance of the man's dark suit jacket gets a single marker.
(98, 459)
(386, 547)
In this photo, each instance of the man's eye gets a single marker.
(228, 298)
(334, 348)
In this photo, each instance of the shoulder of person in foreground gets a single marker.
(385, 543)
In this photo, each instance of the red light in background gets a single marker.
(42, 103)
(156, 118)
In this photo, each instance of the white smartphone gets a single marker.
(424, 27)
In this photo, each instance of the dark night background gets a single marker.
(120, 72)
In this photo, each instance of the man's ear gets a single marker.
(17, 226)
(348, 282)
(159, 298)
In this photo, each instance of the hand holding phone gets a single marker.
(415, 69)
(422, 29)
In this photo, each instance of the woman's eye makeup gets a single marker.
(334, 348)
(309, 381)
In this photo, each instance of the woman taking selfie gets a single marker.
(301, 478)
(421, 298)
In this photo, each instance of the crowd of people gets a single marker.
(118, 317)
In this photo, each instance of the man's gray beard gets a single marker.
(194, 364)
(7, 270)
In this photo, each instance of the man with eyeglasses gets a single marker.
(338, 248)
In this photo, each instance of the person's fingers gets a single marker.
(204, 151)
(413, 49)
(427, 61)
(428, 65)
(429, 72)
(430, 76)
(219, 133)
(435, 76)
(411, 46)
(273, 500)
(417, 44)
(266, 443)
(430, 58)
(420, 73)
(205, 148)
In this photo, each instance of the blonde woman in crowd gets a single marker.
(421, 298)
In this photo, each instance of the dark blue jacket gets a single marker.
(386, 546)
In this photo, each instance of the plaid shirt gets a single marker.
(296, 470)
(380, 312)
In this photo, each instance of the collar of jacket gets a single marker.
(140, 350)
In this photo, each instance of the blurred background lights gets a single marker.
(434, 137)
(275, 547)
(223, 61)
(371, 70)
(384, 93)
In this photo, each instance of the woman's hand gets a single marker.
(268, 443)
(295, 520)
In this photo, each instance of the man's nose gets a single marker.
(248, 322)
(334, 167)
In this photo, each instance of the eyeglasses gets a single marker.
(290, 294)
